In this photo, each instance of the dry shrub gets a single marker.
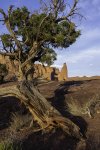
(74, 107)
(19, 122)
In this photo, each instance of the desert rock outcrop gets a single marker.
(46, 72)
(63, 75)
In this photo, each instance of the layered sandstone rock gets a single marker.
(51, 73)
(12, 66)
(63, 75)
(46, 72)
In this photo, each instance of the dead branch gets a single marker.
(8, 54)
(71, 12)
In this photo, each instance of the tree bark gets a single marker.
(45, 114)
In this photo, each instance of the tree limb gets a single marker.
(29, 59)
(3, 13)
(8, 54)
(7, 23)
(37, 53)
(73, 8)
(40, 26)
(71, 13)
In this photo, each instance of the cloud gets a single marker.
(80, 63)
(91, 65)
(88, 38)
(57, 66)
(93, 33)
(90, 9)
(76, 57)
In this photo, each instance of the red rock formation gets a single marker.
(63, 75)
(46, 72)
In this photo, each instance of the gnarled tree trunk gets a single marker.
(45, 114)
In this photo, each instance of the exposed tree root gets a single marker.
(46, 115)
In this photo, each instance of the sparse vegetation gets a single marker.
(19, 122)
(10, 145)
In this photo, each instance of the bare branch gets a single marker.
(3, 13)
(13, 35)
(35, 55)
(29, 58)
(2, 20)
(73, 8)
(71, 12)
(10, 9)
(4, 48)
(8, 54)
(58, 5)
(7, 23)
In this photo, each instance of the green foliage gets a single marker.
(6, 146)
(3, 72)
(42, 28)
(6, 39)
(49, 57)
(9, 145)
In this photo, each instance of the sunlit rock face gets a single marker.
(12, 66)
(51, 73)
(46, 72)
(63, 75)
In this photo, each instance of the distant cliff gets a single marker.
(46, 72)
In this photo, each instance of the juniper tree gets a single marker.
(33, 37)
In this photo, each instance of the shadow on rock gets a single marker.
(52, 141)
(59, 102)
(8, 106)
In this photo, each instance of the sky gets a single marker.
(83, 57)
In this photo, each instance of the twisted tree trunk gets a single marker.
(45, 114)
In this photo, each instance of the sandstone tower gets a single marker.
(63, 75)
